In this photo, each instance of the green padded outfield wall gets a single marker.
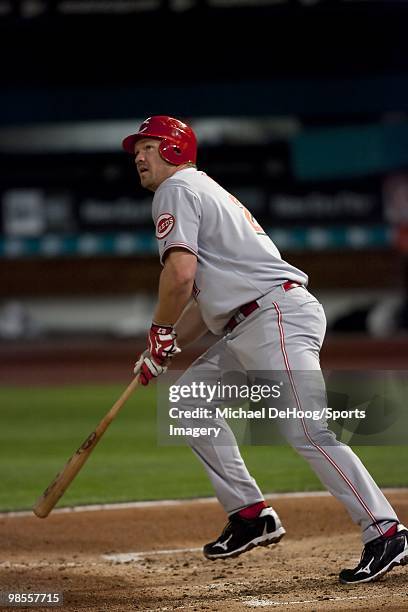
(349, 151)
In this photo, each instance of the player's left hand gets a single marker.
(147, 368)
(162, 342)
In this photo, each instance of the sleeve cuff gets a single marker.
(181, 245)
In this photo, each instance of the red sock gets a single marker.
(251, 512)
(391, 531)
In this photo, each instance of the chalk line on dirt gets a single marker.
(137, 556)
(255, 602)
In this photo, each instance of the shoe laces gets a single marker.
(227, 528)
(370, 549)
(367, 552)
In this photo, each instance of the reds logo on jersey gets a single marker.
(164, 225)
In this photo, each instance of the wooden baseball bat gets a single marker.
(61, 482)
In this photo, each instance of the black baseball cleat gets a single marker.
(240, 535)
(378, 558)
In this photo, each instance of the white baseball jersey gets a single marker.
(237, 261)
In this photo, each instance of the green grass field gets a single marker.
(41, 427)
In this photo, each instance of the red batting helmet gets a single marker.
(178, 142)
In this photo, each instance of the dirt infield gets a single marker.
(65, 553)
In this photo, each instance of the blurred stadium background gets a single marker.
(300, 109)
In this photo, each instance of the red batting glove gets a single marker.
(162, 342)
(147, 368)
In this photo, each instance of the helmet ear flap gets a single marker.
(171, 152)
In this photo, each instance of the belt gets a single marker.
(291, 285)
(244, 311)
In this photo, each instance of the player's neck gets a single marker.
(173, 172)
(183, 167)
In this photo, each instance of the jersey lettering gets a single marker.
(248, 216)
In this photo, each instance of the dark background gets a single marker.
(338, 70)
(205, 61)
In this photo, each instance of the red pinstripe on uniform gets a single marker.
(319, 448)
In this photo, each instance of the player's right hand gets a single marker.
(148, 368)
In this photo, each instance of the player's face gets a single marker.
(151, 167)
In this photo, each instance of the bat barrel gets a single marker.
(61, 482)
(59, 485)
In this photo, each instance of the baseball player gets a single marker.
(222, 273)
